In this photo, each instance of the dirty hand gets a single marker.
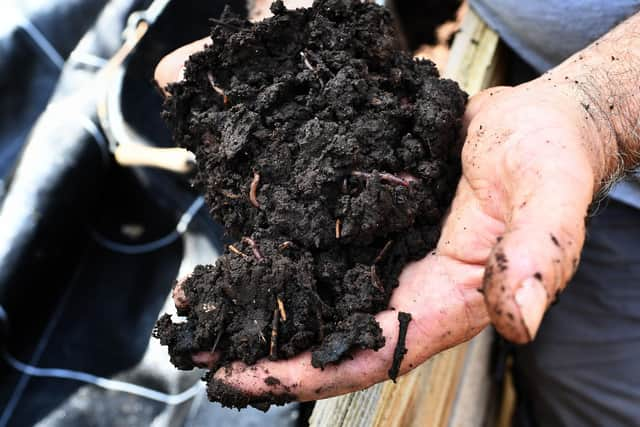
(532, 162)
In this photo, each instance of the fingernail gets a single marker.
(532, 301)
(180, 74)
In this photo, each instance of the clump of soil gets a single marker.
(330, 156)
(401, 349)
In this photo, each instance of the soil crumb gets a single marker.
(272, 381)
(330, 156)
(401, 348)
(230, 397)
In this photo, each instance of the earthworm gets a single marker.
(393, 179)
(254, 248)
(253, 189)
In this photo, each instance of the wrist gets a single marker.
(603, 80)
(596, 140)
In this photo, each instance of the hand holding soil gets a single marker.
(519, 210)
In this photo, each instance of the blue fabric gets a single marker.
(545, 32)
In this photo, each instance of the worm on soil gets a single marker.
(254, 248)
(253, 190)
(393, 179)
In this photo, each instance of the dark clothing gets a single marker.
(582, 369)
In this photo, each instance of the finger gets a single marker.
(170, 69)
(442, 316)
(179, 297)
(540, 249)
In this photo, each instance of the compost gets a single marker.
(330, 156)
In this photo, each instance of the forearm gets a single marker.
(605, 79)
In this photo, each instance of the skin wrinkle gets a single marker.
(464, 292)
(611, 80)
(483, 192)
(468, 312)
(474, 248)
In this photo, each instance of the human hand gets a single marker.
(528, 177)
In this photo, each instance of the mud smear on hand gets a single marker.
(401, 347)
(330, 156)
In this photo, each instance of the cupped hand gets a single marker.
(510, 242)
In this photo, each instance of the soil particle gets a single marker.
(360, 330)
(271, 381)
(330, 160)
(501, 260)
(401, 348)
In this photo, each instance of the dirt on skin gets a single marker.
(401, 349)
(330, 156)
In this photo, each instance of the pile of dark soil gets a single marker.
(330, 156)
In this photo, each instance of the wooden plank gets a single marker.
(453, 387)
(475, 389)
(420, 398)
(476, 59)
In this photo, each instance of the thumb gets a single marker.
(540, 249)
(170, 69)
